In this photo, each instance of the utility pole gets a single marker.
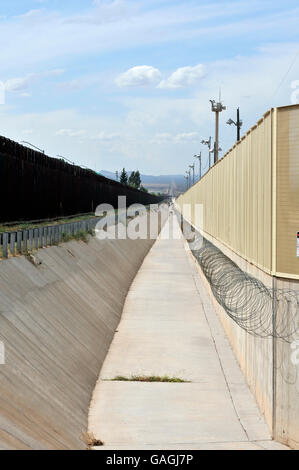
(116, 175)
(238, 124)
(217, 108)
(192, 167)
(199, 161)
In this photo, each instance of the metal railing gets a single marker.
(22, 241)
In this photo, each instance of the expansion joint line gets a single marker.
(220, 362)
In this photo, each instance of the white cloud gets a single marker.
(187, 137)
(18, 84)
(71, 132)
(119, 24)
(22, 84)
(27, 131)
(184, 77)
(106, 136)
(183, 137)
(139, 76)
(162, 137)
(30, 14)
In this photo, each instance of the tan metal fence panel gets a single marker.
(236, 196)
(287, 218)
(251, 196)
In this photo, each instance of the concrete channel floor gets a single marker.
(169, 327)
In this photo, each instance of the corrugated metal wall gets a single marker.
(251, 196)
(287, 190)
(236, 196)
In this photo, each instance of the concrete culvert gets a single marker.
(57, 320)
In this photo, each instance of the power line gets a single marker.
(287, 73)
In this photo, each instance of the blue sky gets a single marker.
(113, 83)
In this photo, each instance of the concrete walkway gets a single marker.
(169, 327)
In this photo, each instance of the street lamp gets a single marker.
(192, 167)
(217, 108)
(208, 143)
(188, 178)
(238, 124)
(28, 143)
(199, 161)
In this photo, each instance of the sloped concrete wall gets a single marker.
(57, 321)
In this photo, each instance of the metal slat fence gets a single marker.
(21, 241)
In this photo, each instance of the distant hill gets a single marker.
(160, 183)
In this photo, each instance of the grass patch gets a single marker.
(11, 227)
(150, 378)
(81, 235)
(90, 441)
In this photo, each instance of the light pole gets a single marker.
(208, 143)
(186, 178)
(31, 145)
(192, 167)
(238, 124)
(199, 161)
(217, 108)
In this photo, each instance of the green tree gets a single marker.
(123, 177)
(135, 179)
(132, 179)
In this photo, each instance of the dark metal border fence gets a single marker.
(36, 186)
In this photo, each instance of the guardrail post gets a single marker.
(30, 240)
(19, 242)
(56, 234)
(40, 236)
(25, 240)
(36, 234)
(48, 235)
(12, 243)
(4, 245)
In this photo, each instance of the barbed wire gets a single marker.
(260, 310)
